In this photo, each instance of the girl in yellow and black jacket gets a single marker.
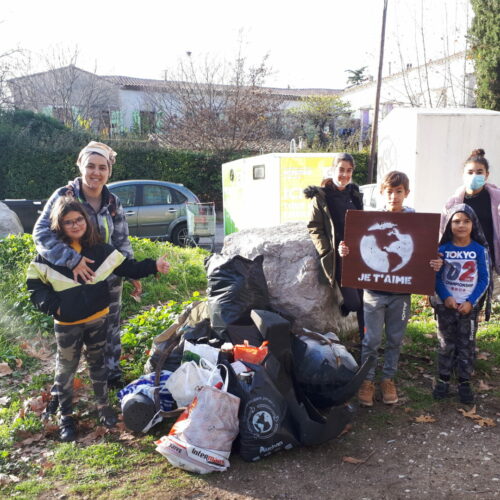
(80, 309)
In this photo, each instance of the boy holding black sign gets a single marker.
(386, 309)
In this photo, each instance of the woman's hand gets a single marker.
(450, 303)
(162, 265)
(81, 270)
(343, 249)
(437, 264)
(465, 308)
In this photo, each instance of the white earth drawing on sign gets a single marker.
(385, 249)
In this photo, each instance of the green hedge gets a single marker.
(38, 154)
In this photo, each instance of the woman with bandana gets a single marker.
(95, 162)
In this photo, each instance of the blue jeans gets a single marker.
(393, 311)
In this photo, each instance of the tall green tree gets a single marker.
(357, 76)
(319, 114)
(485, 39)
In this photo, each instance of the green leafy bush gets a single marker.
(20, 321)
(138, 333)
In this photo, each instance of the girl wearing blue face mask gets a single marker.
(484, 198)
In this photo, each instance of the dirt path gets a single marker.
(452, 457)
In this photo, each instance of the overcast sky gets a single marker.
(310, 43)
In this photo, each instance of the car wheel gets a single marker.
(180, 236)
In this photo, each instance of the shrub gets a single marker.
(138, 333)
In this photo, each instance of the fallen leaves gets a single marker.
(8, 478)
(36, 405)
(93, 436)
(352, 460)
(5, 369)
(358, 462)
(41, 353)
(483, 355)
(4, 400)
(483, 386)
(346, 429)
(478, 419)
(425, 419)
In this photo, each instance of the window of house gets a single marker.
(156, 195)
(148, 122)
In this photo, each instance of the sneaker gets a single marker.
(107, 416)
(465, 394)
(441, 390)
(366, 392)
(51, 408)
(389, 394)
(67, 428)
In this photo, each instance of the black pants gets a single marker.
(457, 342)
(353, 301)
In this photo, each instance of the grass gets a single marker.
(114, 469)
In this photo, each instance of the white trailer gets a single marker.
(431, 145)
(267, 190)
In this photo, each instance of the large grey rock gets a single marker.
(9, 222)
(291, 266)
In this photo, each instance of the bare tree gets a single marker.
(8, 62)
(217, 106)
(78, 98)
(430, 64)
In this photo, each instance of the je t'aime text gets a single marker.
(385, 278)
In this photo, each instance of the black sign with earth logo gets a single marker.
(390, 251)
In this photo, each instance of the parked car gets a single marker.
(371, 196)
(155, 209)
(27, 211)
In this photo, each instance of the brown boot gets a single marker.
(389, 394)
(366, 392)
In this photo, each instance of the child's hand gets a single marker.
(450, 303)
(162, 265)
(465, 308)
(343, 249)
(137, 291)
(437, 264)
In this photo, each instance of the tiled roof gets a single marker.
(129, 81)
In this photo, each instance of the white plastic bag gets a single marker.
(196, 351)
(201, 439)
(183, 382)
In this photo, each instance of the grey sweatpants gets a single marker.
(393, 312)
(70, 341)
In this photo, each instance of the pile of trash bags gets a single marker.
(238, 379)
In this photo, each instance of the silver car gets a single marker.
(155, 209)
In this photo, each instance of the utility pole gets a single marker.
(373, 142)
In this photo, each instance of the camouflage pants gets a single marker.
(70, 341)
(113, 341)
(457, 342)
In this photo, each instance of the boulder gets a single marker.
(291, 266)
(9, 222)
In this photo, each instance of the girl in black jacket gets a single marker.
(80, 309)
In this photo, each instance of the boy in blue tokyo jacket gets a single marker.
(461, 286)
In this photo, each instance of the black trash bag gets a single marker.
(236, 285)
(201, 333)
(265, 423)
(322, 368)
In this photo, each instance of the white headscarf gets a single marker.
(99, 148)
